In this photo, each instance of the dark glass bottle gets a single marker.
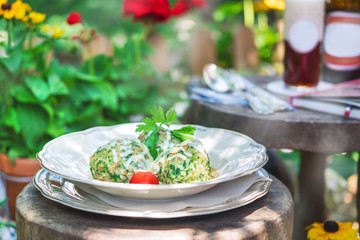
(342, 41)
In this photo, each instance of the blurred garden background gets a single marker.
(108, 67)
(110, 63)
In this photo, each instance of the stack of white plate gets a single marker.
(66, 177)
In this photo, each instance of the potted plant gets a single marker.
(41, 99)
(26, 89)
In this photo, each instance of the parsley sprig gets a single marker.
(154, 123)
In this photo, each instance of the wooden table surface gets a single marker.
(314, 133)
(270, 217)
(300, 129)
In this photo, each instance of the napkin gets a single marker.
(208, 95)
(260, 100)
(218, 194)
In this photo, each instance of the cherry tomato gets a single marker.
(142, 177)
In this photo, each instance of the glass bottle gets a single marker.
(342, 41)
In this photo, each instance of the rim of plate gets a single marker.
(158, 215)
(119, 185)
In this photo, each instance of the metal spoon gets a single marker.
(261, 101)
(221, 80)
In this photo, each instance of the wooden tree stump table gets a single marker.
(270, 217)
(315, 134)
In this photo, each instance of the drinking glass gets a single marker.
(304, 22)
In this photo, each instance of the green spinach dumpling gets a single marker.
(184, 163)
(118, 160)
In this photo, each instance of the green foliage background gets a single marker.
(42, 100)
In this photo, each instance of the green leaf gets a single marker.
(13, 62)
(4, 134)
(184, 133)
(121, 92)
(23, 94)
(56, 129)
(189, 130)
(7, 224)
(172, 3)
(344, 165)
(18, 45)
(107, 95)
(56, 86)
(16, 151)
(65, 72)
(48, 108)
(151, 143)
(355, 156)
(5, 68)
(87, 77)
(136, 88)
(101, 64)
(11, 120)
(38, 87)
(33, 122)
(182, 137)
(13, 153)
(158, 114)
(170, 117)
(149, 125)
(227, 10)
(103, 92)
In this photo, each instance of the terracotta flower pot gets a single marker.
(16, 177)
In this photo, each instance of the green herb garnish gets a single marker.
(154, 123)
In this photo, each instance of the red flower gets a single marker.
(158, 10)
(74, 18)
(183, 6)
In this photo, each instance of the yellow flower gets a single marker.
(45, 28)
(15, 10)
(331, 230)
(54, 32)
(57, 32)
(275, 4)
(260, 7)
(20, 9)
(36, 17)
(5, 10)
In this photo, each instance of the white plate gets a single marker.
(62, 191)
(231, 154)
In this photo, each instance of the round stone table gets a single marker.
(313, 133)
(270, 217)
